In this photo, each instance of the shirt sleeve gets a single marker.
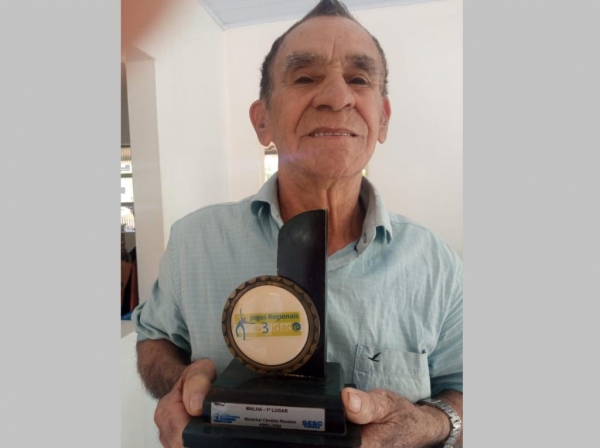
(161, 317)
(446, 359)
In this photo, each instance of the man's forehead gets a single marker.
(317, 39)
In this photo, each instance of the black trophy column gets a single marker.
(302, 257)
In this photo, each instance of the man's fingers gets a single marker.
(174, 409)
(170, 418)
(197, 380)
(170, 432)
(367, 407)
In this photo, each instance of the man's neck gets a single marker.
(339, 197)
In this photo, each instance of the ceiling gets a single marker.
(232, 13)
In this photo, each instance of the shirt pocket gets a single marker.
(404, 373)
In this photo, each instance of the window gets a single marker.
(270, 161)
(127, 216)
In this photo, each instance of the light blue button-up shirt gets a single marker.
(396, 291)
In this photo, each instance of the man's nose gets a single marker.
(334, 93)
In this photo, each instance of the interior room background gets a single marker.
(187, 85)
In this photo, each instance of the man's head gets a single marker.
(325, 8)
(324, 103)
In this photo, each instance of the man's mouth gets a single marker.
(336, 133)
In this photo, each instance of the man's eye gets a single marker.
(304, 80)
(359, 81)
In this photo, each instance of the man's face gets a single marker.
(326, 112)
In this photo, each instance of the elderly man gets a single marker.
(394, 289)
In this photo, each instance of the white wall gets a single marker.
(419, 168)
(174, 55)
(145, 157)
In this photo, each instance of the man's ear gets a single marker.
(259, 119)
(386, 113)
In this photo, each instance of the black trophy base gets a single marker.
(237, 385)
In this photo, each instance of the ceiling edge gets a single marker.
(212, 14)
(295, 17)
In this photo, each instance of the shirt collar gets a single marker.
(377, 219)
(268, 195)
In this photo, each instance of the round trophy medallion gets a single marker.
(271, 325)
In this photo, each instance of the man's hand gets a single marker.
(185, 400)
(392, 421)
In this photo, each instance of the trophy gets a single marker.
(279, 390)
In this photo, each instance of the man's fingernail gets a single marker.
(354, 403)
(196, 403)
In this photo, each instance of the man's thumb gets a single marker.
(362, 407)
(196, 384)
